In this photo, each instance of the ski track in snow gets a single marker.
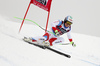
(9, 32)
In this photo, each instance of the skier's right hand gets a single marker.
(57, 33)
(73, 44)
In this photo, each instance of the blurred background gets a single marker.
(85, 13)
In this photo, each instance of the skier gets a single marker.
(58, 28)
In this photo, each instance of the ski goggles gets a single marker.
(69, 23)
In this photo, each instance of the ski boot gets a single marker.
(46, 43)
(41, 41)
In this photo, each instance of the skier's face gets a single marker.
(67, 25)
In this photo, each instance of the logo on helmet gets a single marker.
(70, 19)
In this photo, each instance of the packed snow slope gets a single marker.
(15, 52)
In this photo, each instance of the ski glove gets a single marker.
(57, 33)
(72, 43)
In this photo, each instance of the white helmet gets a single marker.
(69, 19)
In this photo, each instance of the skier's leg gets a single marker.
(34, 40)
(46, 35)
(38, 39)
(31, 39)
(57, 40)
(52, 40)
(44, 38)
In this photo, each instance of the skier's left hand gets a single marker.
(72, 43)
(57, 33)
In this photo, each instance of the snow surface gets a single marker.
(15, 52)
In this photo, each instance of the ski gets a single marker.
(40, 46)
(61, 53)
(51, 49)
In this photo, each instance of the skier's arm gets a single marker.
(69, 36)
(70, 39)
(55, 31)
(55, 24)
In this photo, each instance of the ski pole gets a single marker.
(36, 24)
(65, 44)
(74, 45)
